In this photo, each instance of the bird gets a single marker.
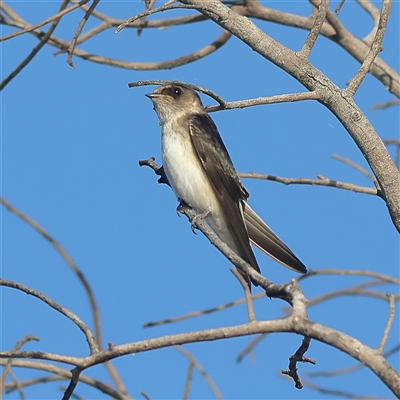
(201, 173)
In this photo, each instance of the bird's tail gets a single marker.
(262, 236)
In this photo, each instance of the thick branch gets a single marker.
(343, 107)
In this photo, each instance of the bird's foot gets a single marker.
(181, 207)
(198, 217)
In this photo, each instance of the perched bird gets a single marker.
(201, 173)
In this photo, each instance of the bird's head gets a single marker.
(173, 100)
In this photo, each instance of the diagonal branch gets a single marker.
(376, 47)
(315, 30)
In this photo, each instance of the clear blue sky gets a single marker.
(71, 141)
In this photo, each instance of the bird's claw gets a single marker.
(181, 207)
(196, 218)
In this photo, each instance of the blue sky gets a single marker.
(71, 141)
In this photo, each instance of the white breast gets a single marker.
(185, 172)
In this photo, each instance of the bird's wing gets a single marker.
(218, 167)
(262, 236)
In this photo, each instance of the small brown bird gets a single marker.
(201, 173)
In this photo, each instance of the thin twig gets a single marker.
(321, 181)
(248, 350)
(202, 371)
(64, 311)
(85, 283)
(339, 7)
(68, 260)
(35, 50)
(384, 106)
(189, 379)
(336, 393)
(376, 47)
(246, 289)
(350, 272)
(375, 14)
(388, 324)
(206, 91)
(18, 385)
(281, 98)
(153, 11)
(354, 165)
(7, 367)
(60, 373)
(315, 30)
(44, 22)
(194, 314)
(78, 31)
(353, 368)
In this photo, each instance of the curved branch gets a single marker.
(44, 22)
(334, 31)
(343, 107)
(63, 374)
(94, 348)
(68, 260)
(43, 40)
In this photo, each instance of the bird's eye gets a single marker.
(177, 91)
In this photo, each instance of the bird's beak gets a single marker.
(154, 95)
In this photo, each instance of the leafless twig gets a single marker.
(246, 289)
(202, 371)
(388, 324)
(64, 311)
(376, 47)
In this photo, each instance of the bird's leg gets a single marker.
(198, 217)
(181, 208)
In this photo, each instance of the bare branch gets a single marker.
(61, 373)
(206, 91)
(340, 393)
(298, 357)
(229, 105)
(72, 46)
(64, 311)
(89, 292)
(75, 373)
(207, 311)
(202, 371)
(189, 380)
(321, 181)
(376, 47)
(384, 106)
(8, 364)
(353, 368)
(281, 98)
(153, 11)
(388, 324)
(289, 292)
(315, 30)
(354, 165)
(344, 272)
(44, 22)
(246, 289)
(375, 14)
(249, 348)
(68, 260)
(339, 7)
(35, 50)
